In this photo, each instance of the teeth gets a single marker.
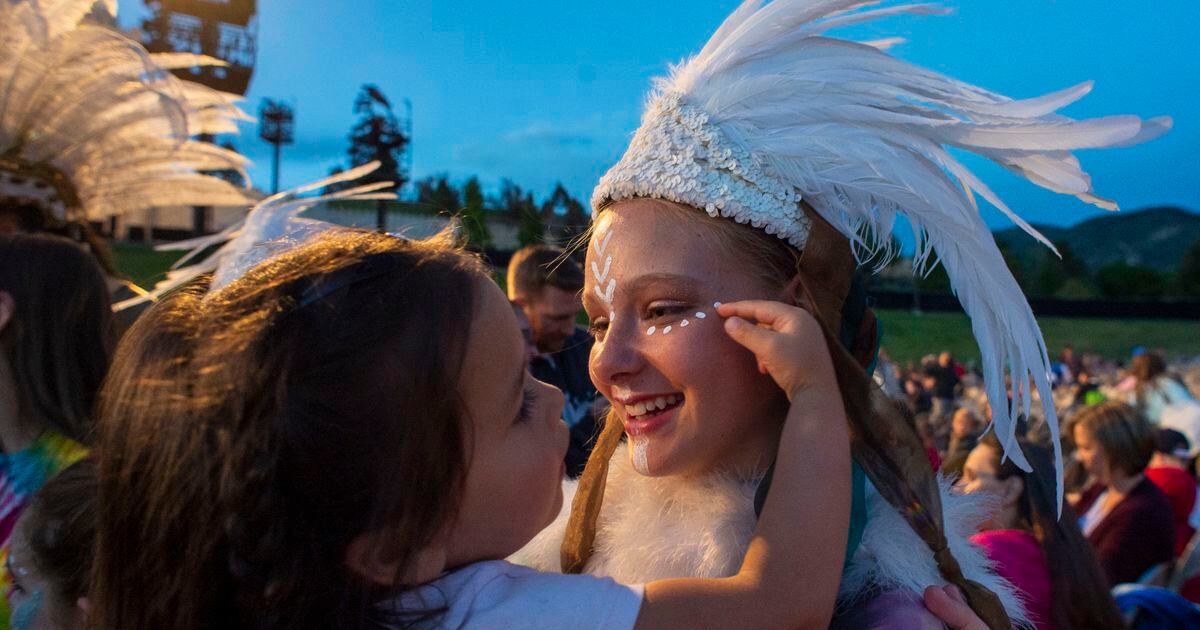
(646, 406)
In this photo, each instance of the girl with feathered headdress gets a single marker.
(765, 167)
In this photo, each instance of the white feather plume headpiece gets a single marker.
(272, 227)
(772, 111)
(93, 126)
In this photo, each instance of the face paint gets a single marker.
(24, 616)
(640, 447)
(605, 294)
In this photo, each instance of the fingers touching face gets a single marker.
(690, 397)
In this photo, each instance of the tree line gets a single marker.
(1068, 278)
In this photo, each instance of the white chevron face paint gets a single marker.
(605, 286)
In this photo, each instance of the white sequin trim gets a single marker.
(678, 155)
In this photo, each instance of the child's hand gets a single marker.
(787, 341)
(951, 607)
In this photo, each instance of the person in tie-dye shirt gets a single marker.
(56, 338)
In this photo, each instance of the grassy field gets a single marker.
(142, 264)
(906, 336)
(909, 336)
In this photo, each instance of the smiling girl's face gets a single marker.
(691, 399)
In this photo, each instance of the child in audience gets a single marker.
(50, 553)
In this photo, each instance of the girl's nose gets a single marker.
(616, 354)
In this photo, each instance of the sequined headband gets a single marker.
(678, 155)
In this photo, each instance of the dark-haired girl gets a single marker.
(55, 344)
(1025, 538)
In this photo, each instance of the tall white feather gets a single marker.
(864, 137)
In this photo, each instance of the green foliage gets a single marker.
(566, 217)
(531, 229)
(437, 192)
(1053, 274)
(1121, 279)
(473, 215)
(1187, 281)
(519, 206)
(935, 282)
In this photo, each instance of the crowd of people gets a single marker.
(1131, 437)
(305, 425)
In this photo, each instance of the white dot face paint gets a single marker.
(650, 330)
(700, 315)
(666, 330)
(683, 323)
(716, 304)
(640, 449)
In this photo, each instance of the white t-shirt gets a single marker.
(499, 594)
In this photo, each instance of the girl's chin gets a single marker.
(649, 457)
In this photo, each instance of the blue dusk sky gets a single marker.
(544, 91)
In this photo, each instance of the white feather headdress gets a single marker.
(93, 126)
(772, 111)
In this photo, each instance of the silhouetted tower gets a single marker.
(276, 121)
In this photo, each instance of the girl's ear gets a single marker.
(365, 557)
(8, 307)
(1014, 486)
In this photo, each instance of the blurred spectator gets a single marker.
(965, 428)
(918, 398)
(1155, 388)
(1073, 363)
(944, 377)
(546, 284)
(1170, 470)
(1126, 518)
(1025, 537)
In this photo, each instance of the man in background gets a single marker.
(546, 285)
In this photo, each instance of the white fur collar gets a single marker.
(652, 528)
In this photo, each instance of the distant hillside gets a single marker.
(1151, 237)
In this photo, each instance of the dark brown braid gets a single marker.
(893, 458)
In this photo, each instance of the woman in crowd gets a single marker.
(1025, 537)
(1171, 470)
(1125, 517)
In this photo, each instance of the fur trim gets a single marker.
(654, 528)
(893, 557)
